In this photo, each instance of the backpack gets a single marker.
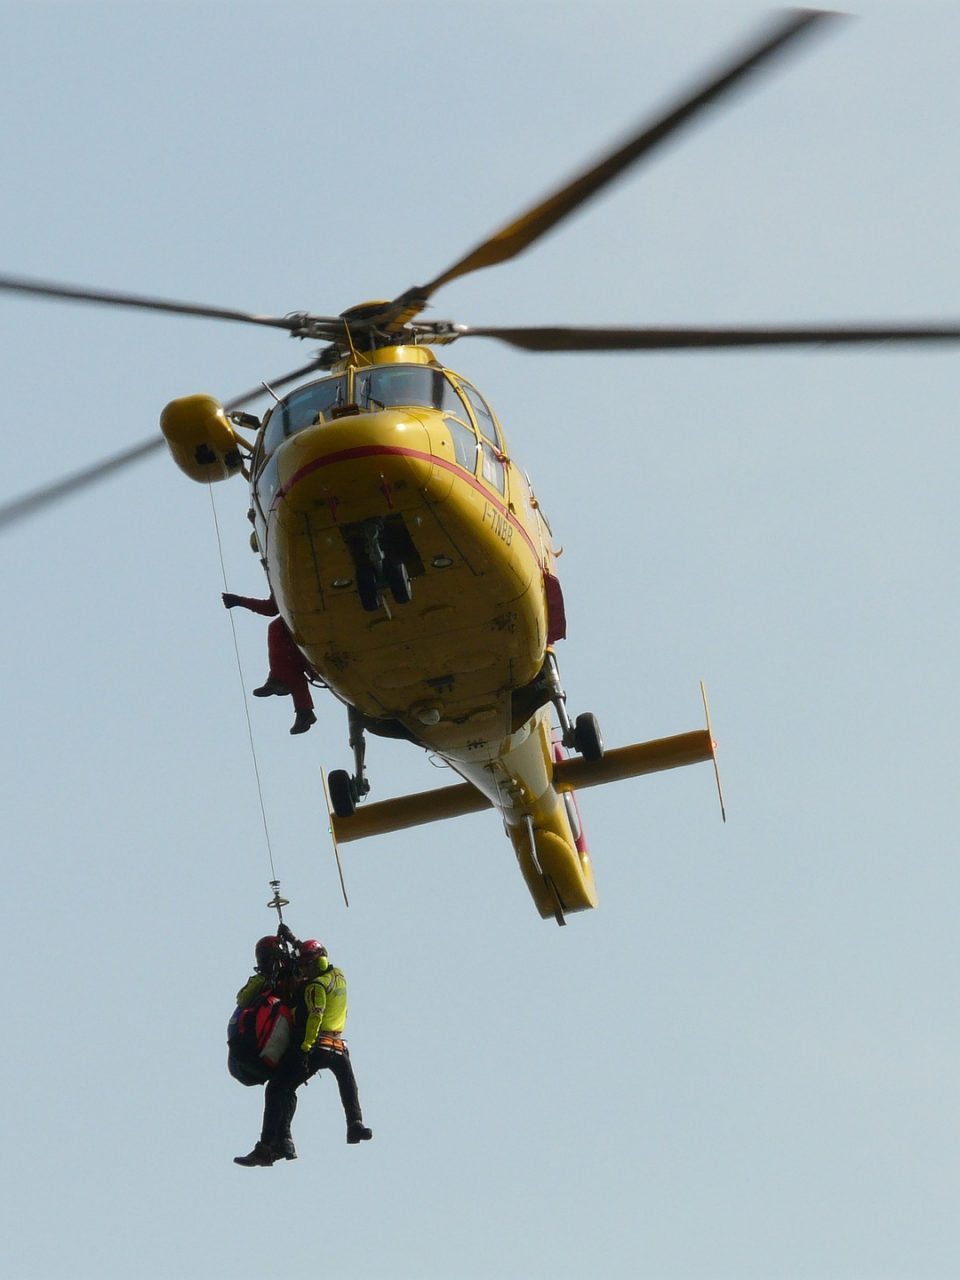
(257, 1038)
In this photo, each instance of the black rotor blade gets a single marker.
(111, 298)
(266, 388)
(575, 338)
(31, 503)
(523, 231)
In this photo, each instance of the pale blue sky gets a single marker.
(744, 1065)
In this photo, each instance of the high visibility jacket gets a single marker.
(250, 990)
(325, 998)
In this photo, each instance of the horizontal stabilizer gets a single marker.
(451, 802)
(631, 762)
(408, 811)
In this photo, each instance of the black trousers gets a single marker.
(280, 1096)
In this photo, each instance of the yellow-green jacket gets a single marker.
(325, 998)
(250, 990)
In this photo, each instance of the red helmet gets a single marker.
(267, 952)
(313, 956)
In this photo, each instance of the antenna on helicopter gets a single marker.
(270, 391)
(713, 750)
(333, 836)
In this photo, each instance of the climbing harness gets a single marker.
(336, 1044)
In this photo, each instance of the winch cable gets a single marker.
(274, 882)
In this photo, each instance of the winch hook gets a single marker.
(276, 902)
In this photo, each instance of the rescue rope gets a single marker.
(274, 882)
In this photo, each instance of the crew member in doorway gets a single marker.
(289, 670)
(322, 1015)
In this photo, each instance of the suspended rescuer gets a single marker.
(321, 1017)
(289, 670)
(271, 964)
(260, 1031)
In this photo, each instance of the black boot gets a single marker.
(303, 721)
(260, 1155)
(282, 1144)
(357, 1131)
(271, 688)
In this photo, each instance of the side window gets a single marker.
(464, 444)
(268, 481)
(488, 428)
(491, 467)
(457, 421)
(450, 402)
(273, 432)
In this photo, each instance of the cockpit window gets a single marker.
(302, 408)
(452, 402)
(484, 417)
(456, 417)
(390, 386)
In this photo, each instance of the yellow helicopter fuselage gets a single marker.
(472, 540)
(454, 666)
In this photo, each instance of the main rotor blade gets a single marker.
(107, 297)
(560, 338)
(267, 388)
(31, 503)
(518, 235)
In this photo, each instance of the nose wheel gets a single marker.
(398, 580)
(582, 735)
(380, 571)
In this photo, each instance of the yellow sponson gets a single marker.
(201, 438)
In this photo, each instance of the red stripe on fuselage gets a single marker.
(375, 450)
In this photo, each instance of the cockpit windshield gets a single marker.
(303, 408)
(390, 386)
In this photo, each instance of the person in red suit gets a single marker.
(289, 670)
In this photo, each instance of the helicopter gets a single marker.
(406, 548)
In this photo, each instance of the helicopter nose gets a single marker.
(383, 457)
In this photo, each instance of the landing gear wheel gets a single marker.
(367, 589)
(341, 793)
(398, 580)
(587, 738)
